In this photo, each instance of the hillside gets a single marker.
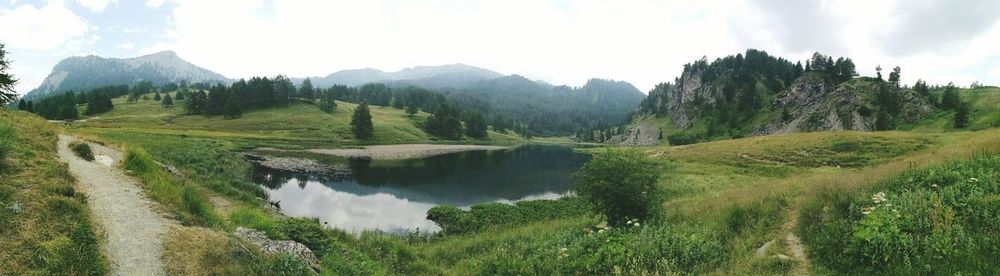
(758, 94)
(46, 229)
(452, 75)
(89, 72)
(298, 124)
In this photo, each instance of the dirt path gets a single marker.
(133, 228)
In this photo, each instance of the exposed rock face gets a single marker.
(810, 104)
(271, 247)
(643, 134)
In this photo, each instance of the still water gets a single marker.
(394, 195)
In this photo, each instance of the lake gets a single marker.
(394, 195)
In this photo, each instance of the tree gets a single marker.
(233, 108)
(22, 105)
(962, 115)
(306, 91)
(475, 126)
(157, 97)
(167, 101)
(195, 103)
(7, 80)
(621, 185)
(181, 93)
(878, 72)
(328, 103)
(950, 99)
(361, 122)
(411, 109)
(31, 106)
(894, 76)
(444, 123)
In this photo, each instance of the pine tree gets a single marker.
(233, 106)
(962, 115)
(444, 123)
(167, 101)
(894, 76)
(950, 99)
(361, 122)
(195, 103)
(328, 103)
(157, 97)
(411, 109)
(31, 106)
(475, 126)
(181, 94)
(306, 91)
(7, 81)
(22, 105)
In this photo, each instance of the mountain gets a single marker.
(453, 75)
(758, 94)
(88, 72)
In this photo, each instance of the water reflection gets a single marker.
(395, 195)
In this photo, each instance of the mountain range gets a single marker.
(538, 106)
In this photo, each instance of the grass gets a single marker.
(724, 199)
(984, 112)
(184, 201)
(297, 125)
(46, 228)
(82, 150)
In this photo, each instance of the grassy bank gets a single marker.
(45, 227)
(724, 201)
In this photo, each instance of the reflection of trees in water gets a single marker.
(472, 176)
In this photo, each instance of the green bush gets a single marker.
(82, 150)
(940, 220)
(622, 185)
(493, 215)
(683, 138)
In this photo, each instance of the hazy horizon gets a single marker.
(560, 42)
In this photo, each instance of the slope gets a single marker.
(45, 227)
(298, 124)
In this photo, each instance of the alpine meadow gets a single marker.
(653, 137)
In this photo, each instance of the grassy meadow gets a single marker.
(45, 226)
(723, 201)
(299, 125)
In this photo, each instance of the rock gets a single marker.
(301, 165)
(271, 247)
(642, 134)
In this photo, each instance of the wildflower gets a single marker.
(934, 185)
(600, 231)
(973, 179)
(563, 249)
(879, 197)
(636, 224)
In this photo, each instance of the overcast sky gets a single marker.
(560, 41)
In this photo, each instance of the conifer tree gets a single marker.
(328, 103)
(22, 105)
(962, 115)
(167, 101)
(7, 81)
(233, 106)
(361, 122)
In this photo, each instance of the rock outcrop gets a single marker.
(301, 165)
(641, 134)
(270, 247)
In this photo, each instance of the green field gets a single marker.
(724, 200)
(300, 124)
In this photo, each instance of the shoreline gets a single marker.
(397, 152)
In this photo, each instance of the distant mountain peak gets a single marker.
(89, 72)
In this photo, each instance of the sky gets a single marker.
(644, 42)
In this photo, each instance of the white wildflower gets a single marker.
(636, 224)
(973, 179)
(934, 185)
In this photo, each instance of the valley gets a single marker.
(749, 164)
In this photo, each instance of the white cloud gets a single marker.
(155, 3)
(126, 46)
(96, 6)
(45, 28)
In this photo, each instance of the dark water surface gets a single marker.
(394, 195)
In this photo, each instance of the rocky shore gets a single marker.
(301, 165)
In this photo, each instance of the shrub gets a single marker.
(621, 185)
(82, 150)
(683, 138)
(934, 221)
(453, 220)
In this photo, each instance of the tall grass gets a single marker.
(185, 201)
(45, 228)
